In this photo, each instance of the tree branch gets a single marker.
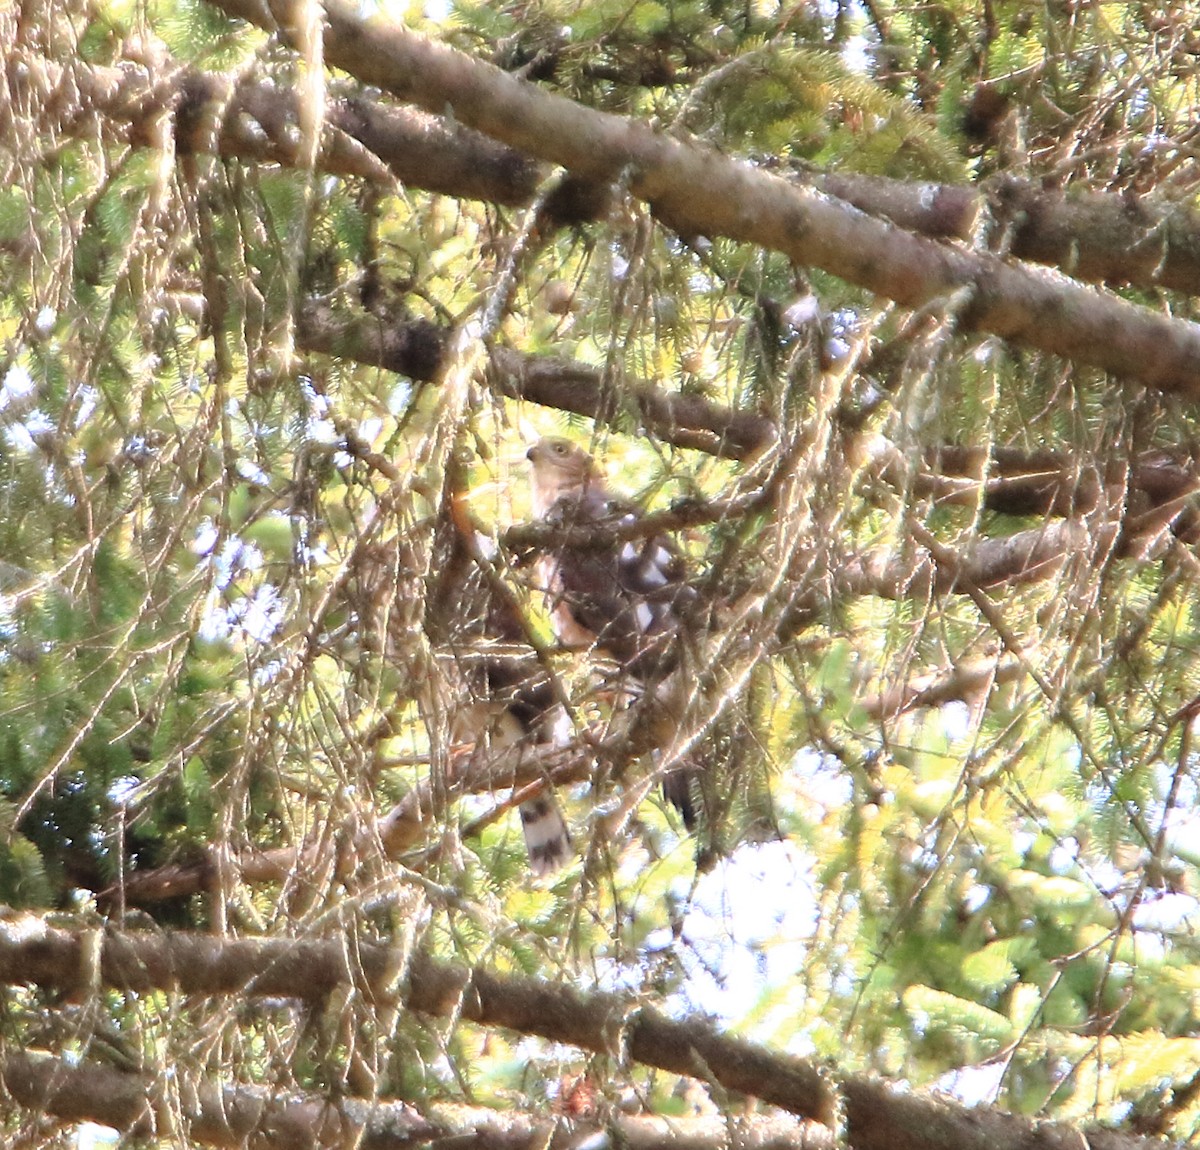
(1024, 557)
(1006, 480)
(416, 347)
(698, 191)
(256, 120)
(234, 1116)
(240, 1116)
(958, 682)
(876, 1116)
(1095, 237)
(1019, 482)
(404, 828)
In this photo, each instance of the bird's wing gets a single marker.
(625, 595)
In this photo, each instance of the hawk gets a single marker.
(625, 597)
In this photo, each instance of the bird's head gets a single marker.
(560, 467)
(559, 454)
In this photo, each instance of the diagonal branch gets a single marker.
(1096, 237)
(961, 681)
(696, 190)
(256, 120)
(1021, 482)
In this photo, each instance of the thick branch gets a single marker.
(1095, 237)
(33, 951)
(698, 191)
(877, 1118)
(1154, 492)
(240, 1116)
(258, 120)
(686, 420)
(1008, 480)
(416, 349)
(1022, 482)
(233, 1116)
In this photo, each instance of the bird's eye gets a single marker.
(560, 449)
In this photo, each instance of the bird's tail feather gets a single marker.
(546, 836)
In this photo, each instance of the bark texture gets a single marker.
(876, 1117)
(698, 191)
